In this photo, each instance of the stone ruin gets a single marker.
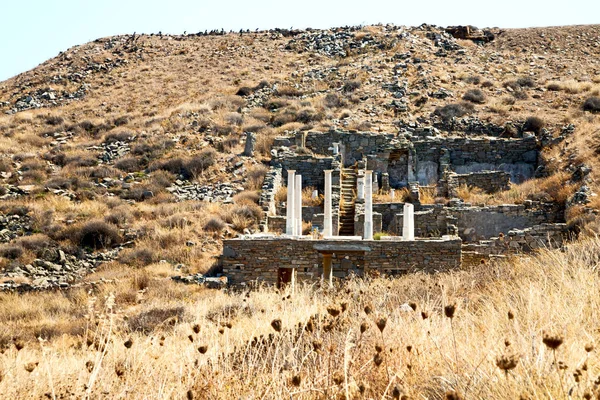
(351, 235)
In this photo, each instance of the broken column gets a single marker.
(298, 205)
(327, 222)
(250, 144)
(336, 148)
(360, 183)
(368, 230)
(385, 182)
(392, 194)
(408, 226)
(375, 184)
(290, 220)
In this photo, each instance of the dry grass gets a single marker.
(219, 345)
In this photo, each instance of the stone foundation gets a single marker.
(259, 259)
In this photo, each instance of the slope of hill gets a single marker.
(106, 148)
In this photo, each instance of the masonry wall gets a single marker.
(259, 259)
(488, 181)
(477, 223)
(310, 167)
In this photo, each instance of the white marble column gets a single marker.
(336, 148)
(298, 205)
(392, 194)
(408, 225)
(368, 229)
(289, 207)
(327, 221)
(360, 183)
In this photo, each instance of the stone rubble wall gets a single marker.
(311, 168)
(271, 184)
(488, 181)
(474, 223)
(518, 241)
(247, 260)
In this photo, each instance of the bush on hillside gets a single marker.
(474, 96)
(592, 104)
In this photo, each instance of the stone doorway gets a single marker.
(285, 277)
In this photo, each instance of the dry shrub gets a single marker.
(533, 124)
(214, 224)
(307, 197)
(156, 319)
(120, 215)
(255, 177)
(592, 104)
(333, 100)
(246, 197)
(138, 257)
(11, 251)
(426, 195)
(454, 110)
(281, 194)
(350, 86)
(128, 164)
(474, 96)
(93, 234)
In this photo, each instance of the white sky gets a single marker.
(36, 30)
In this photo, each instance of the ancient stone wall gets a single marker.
(271, 184)
(310, 167)
(519, 241)
(478, 223)
(353, 145)
(259, 259)
(488, 181)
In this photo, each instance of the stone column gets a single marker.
(327, 269)
(327, 222)
(408, 228)
(412, 156)
(392, 194)
(374, 184)
(385, 182)
(290, 220)
(368, 230)
(250, 143)
(360, 183)
(298, 205)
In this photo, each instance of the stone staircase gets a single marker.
(348, 197)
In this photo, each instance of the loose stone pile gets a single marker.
(58, 271)
(338, 43)
(221, 192)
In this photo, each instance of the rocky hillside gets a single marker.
(107, 145)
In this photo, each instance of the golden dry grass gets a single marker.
(204, 345)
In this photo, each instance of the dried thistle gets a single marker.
(589, 347)
(552, 341)
(310, 325)
(453, 395)
(317, 344)
(511, 315)
(333, 311)
(119, 370)
(506, 362)
(378, 359)
(338, 377)
(276, 325)
(409, 348)
(381, 322)
(191, 338)
(344, 306)
(128, 343)
(190, 395)
(89, 365)
(202, 349)
(449, 310)
(363, 327)
(368, 309)
(424, 315)
(296, 380)
(19, 344)
(378, 348)
(29, 367)
(413, 305)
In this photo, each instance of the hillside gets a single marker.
(121, 166)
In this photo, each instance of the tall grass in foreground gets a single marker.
(524, 328)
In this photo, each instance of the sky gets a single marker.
(33, 31)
